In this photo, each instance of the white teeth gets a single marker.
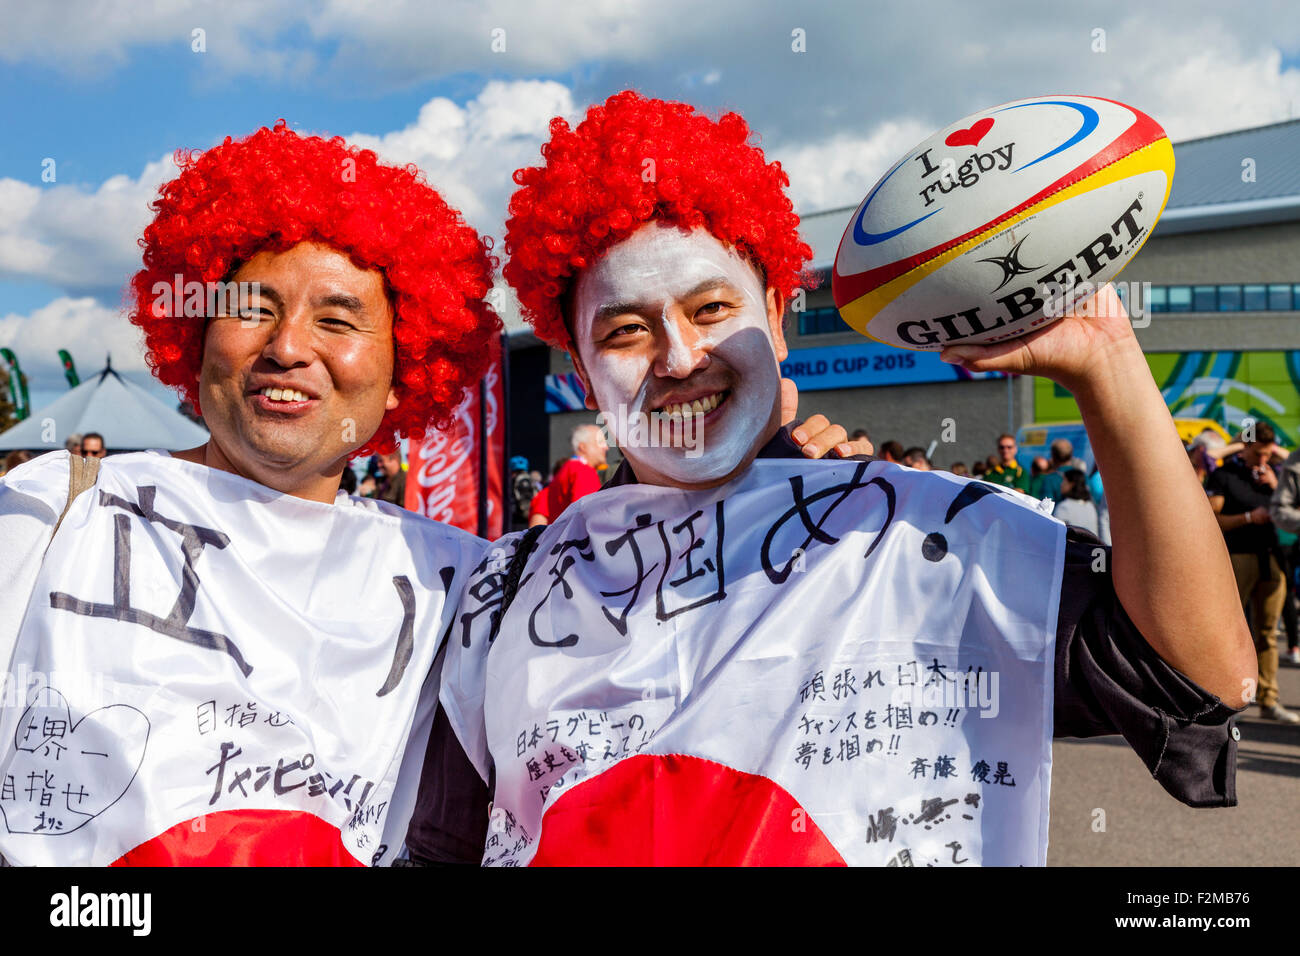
(699, 406)
(283, 394)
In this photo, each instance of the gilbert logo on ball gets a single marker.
(994, 226)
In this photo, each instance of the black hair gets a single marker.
(1078, 485)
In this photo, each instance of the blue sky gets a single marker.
(109, 91)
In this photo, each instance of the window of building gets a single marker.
(1254, 298)
(1158, 299)
(821, 322)
(1229, 298)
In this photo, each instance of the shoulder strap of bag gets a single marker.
(82, 473)
(509, 588)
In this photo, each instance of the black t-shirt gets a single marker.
(1241, 493)
(1108, 680)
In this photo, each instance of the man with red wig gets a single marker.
(739, 656)
(219, 656)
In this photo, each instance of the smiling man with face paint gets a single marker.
(677, 329)
(747, 657)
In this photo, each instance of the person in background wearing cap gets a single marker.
(522, 491)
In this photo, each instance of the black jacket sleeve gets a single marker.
(450, 821)
(1110, 681)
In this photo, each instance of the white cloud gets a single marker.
(77, 238)
(85, 327)
(1209, 91)
(839, 170)
(84, 240)
(406, 39)
(1196, 65)
(399, 41)
(469, 153)
(87, 37)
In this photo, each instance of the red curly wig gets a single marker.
(632, 160)
(276, 189)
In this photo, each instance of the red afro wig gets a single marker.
(276, 189)
(632, 160)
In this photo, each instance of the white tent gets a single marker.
(129, 418)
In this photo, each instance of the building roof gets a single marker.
(1241, 178)
(129, 418)
(1212, 169)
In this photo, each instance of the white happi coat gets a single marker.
(203, 670)
(819, 662)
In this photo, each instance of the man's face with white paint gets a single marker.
(666, 319)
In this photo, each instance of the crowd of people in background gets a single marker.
(1254, 489)
(535, 502)
(1252, 483)
(382, 476)
(89, 445)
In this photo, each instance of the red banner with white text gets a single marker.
(453, 477)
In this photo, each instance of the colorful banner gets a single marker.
(861, 365)
(867, 364)
(564, 393)
(1225, 387)
(452, 478)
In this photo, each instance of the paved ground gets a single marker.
(1147, 827)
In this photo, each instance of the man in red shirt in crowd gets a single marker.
(577, 476)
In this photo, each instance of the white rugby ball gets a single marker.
(997, 224)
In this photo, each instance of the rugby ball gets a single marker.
(996, 225)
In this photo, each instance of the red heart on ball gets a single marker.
(972, 136)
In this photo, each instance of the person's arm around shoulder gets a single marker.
(1169, 560)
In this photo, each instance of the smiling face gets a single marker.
(304, 377)
(671, 322)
